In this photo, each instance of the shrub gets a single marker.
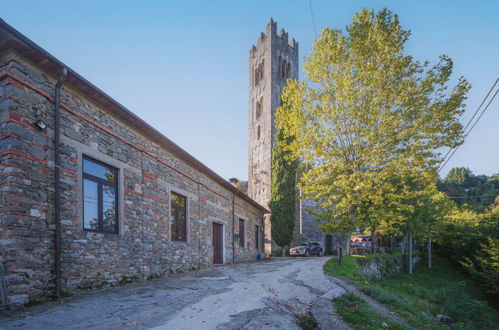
(307, 322)
(484, 266)
(456, 301)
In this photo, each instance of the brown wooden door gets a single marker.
(217, 243)
(329, 244)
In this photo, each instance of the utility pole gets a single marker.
(429, 252)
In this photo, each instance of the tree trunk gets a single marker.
(339, 252)
(429, 252)
(346, 245)
(373, 241)
(283, 251)
(404, 243)
(410, 253)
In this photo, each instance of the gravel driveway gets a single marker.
(249, 295)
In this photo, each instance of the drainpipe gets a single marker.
(233, 229)
(57, 162)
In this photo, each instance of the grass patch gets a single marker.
(127, 279)
(307, 322)
(65, 294)
(153, 277)
(357, 313)
(34, 302)
(348, 269)
(419, 297)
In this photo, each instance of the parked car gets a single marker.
(307, 249)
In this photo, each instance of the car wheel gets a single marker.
(307, 253)
(321, 253)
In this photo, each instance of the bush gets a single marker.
(470, 239)
(484, 266)
(454, 300)
(307, 322)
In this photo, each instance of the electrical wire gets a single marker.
(474, 124)
(472, 196)
(476, 112)
(313, 18)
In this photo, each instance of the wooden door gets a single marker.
(329, 244)
(217, 243)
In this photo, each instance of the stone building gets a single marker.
(133, 204)
(272, 61)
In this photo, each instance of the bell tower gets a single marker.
(271, 62)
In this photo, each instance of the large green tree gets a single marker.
(367, 123)
(283, 197)
(464, 187)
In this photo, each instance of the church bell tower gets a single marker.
(271, 62)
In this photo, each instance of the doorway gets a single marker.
(329, 244)
(218, 252)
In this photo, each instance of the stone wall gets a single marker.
(147, 172)
(378, 266)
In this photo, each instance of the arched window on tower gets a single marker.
(258, 132)
(261, 69)
(259, 73)
(284, 68)
(258, 109)
(281, 67)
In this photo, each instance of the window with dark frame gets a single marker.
(100, 197)
(178, 217)
(241, 233)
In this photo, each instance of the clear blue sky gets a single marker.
(183, 65)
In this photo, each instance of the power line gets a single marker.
(472, 196)
(465, 136)
(313, 18)
(474, 124)
(471, 119)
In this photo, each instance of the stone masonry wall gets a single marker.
(147, 176)
(266, 82)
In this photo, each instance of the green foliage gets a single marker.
(484, 266)
(458, 175)
(456, 301)
(307, 322)
(348, 269)
(34, 302)
(127, 279)
(102, 284)
(153, 277)
(367, 125)
(477, 191)
(470, 238)
(283, 199)
(353, 267)
(357, 313)
(388, 264)
(444, 289)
